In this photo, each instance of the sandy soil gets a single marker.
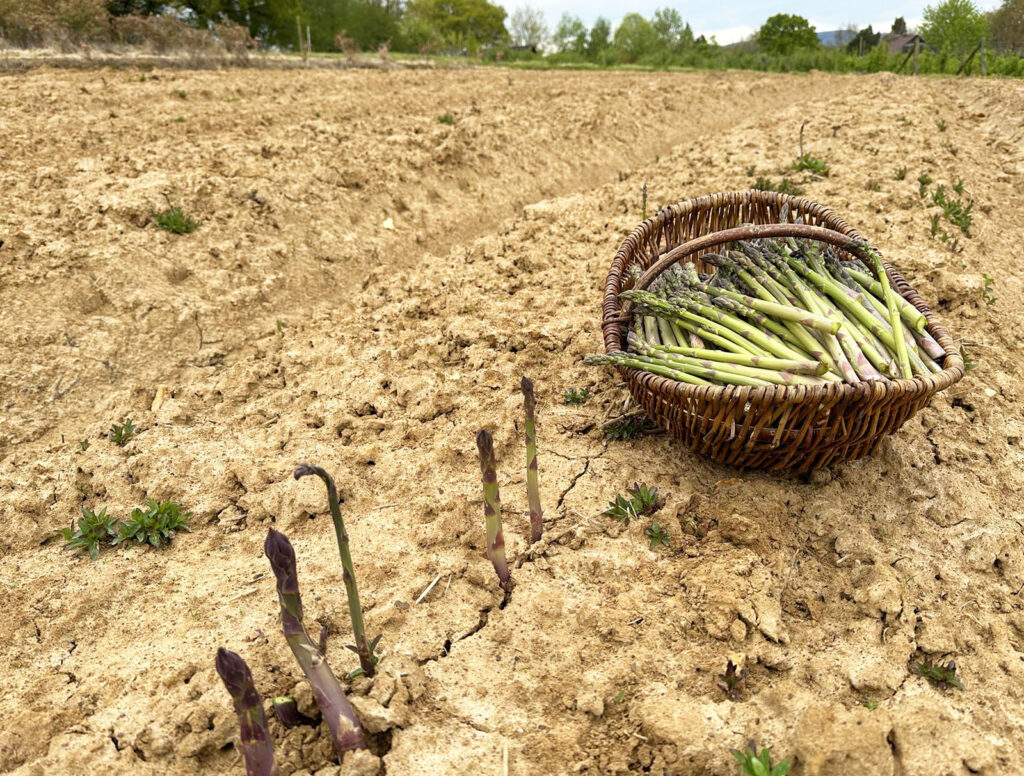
(294, 325)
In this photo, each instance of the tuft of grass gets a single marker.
(155, 524)
(942, 676)
(785, 186)
(751, 171)
(811, 164)
(958, 187)
(181, 94)
(958, 214)
(627, 427)
(934, 224)
(874, 186)
(754, 764)
(924, 180)
(986, 293)
(900, 174)
(656, 535)
(446, 119)
(179, 120)
(941, 125)
(120, 433)
(92, 530)
(641, 501)
(576, 396)
(175, 221)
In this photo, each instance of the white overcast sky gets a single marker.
(735, 20)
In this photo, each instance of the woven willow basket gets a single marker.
(796, 428)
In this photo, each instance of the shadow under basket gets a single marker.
(793, 428)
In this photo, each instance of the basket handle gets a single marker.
(750, 232)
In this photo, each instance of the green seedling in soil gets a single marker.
(576, 396)
(254, 733)
(627, 427)
(785, 186)
(82, 447)
(154, 524)
(120, 434)
(905, 121)
(942, 676)
(986, 294)
(954, 210)
(900, 174)
(751, 171)
(179, 120)
(941, 125)
(642, 501)
(754, 764)
(341, 719)
(532, 485)
(811, 164)
(93, 529)
(656, 535)
(870, 705)
(958, 187)
(969, 362)
(287, 712)
(874, 186)
(175, 221)
(933, 227)
(182, 94)
(924, 180)
(492, 509)
(446, 119)
(368, 658)
(731, 680)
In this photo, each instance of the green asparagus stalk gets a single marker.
(797, 366)
(532, 487)
(914, 317)
(889, 296)
(651, 328)
(341, 718)
(676, 371)
(256, 744)
(367, 658)
(668, 336)
(765, 340)
(492, 509)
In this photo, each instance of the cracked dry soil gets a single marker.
(395, 346)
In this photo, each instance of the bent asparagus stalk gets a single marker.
(492, 509)
(256, 744)
(532, 486)
(348, 570)
(677, 371)
(341, 719)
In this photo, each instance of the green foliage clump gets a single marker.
(627, 427)
(447, 118)
(156, 523)
(900, 174)
(810, 163)
(92, 530)
(656, 535)
(641, 501)
(956, 26)
(175, 221)
(958, 214)
(753, 764)
(942, 676)
(785, 33)
(120, 433)
(785, 186)
(576, 396)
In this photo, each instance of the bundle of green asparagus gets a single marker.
(780, 311)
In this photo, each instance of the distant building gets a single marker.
(902, 44)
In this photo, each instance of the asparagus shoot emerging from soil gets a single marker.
(287, 712)
(362, 648)
(492, 509)
(257, 745)
(338, 712)
(532, 487)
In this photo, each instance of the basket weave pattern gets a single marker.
(795, 428)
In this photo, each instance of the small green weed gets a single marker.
(175, 221)
(969, 363)
(374, 657)
(942, 676)
(958, 214)
(82, 447)
(941, 125)
(92, 530)
(181, 94)
(900, 174)
(656, 535)
(119, 434)
(731, 680)
(156, 523)
(751, 171)
(576, 396)
(933, 220)
(179, 120)
(754, 764)
(785, 186)
(925, 180)
(642, 501)
(446, 119)
(627, 427)
(958, 187)
(874, 186)
(986, 293)
(870, 705)
(811, 164)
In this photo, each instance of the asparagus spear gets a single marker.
(367, 659)
(256, 743)
(914, 317)
(797, 366)
(337, 711)
(889, 295)
(677, 371)
(492, 509)
(287, 712)
(532, 487)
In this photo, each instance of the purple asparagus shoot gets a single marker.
(362, 648)
(532, 487)
(257, 746)
(492, 509)
(337, 711)
(287, 712)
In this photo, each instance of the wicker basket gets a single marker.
(795, 428)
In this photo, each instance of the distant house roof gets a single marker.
(901, 44)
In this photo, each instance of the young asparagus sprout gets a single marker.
(367, 658)
(492, 509)
(532, 487)
(287, 712)
(341, 718)
(257, 746)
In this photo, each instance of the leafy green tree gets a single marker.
(527, 27)
(673, 34)
(456, 23)
(1006, 24)
(570, 35)
(785, 33)
(865, 40)
(600, 38)
(635, 37)
(899, 26)
(367, 22)
(955, 25)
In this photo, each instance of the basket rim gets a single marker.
(875, 392)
